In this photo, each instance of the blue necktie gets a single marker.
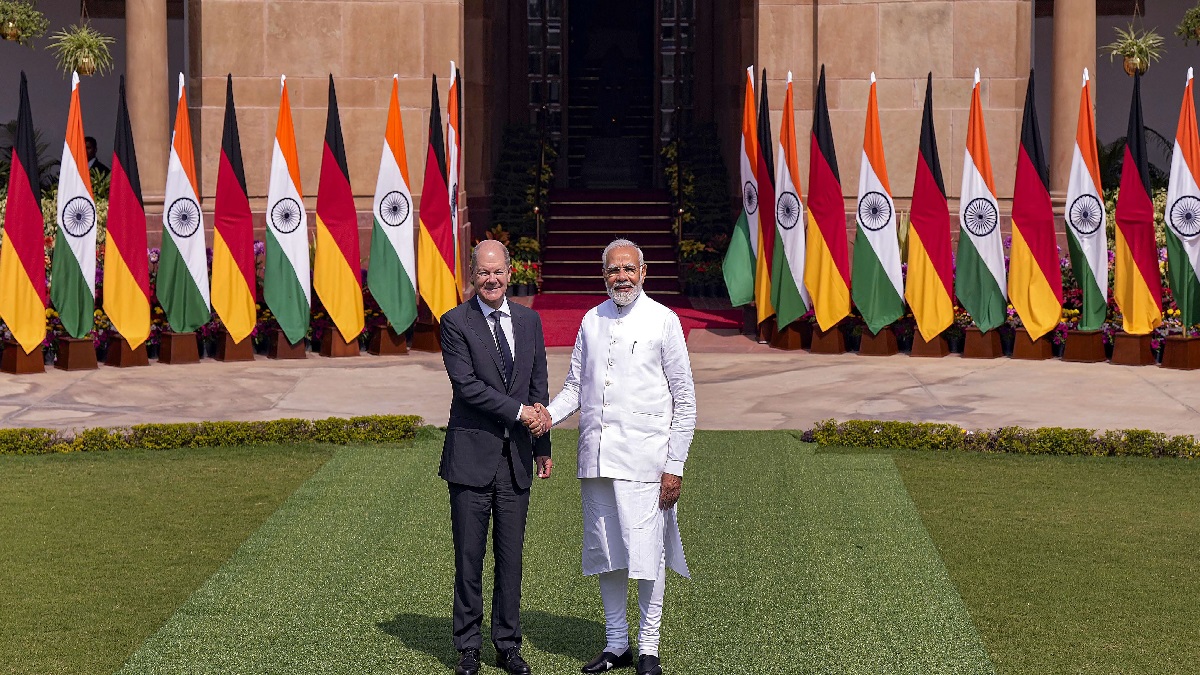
(506, 357)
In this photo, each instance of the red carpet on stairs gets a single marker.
(562, 313)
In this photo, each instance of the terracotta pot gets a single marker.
(86, 65)
(1134, 64)
(10, 31)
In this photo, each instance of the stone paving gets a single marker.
(740, 385)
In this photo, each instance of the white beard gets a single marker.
(622, 298)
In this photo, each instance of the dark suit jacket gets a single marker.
(483, 407)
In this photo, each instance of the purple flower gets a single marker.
(260, 247)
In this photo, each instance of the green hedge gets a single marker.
(373, 429)
(1016, 440)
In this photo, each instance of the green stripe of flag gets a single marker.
(177, 292)
(1095, 304)
(738, 265)
(69, 290)
(283, 293)
(789, 305)
(389, 282)
(976, 286)
(1185, 288)
(872, 290)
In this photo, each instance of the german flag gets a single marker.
(233, 273)
(766, 217)
(126, 266)
(336, 275)
(1137, 284)
(929, 287)
(22, 255)
(827, 260)
(435, 241)
(1034, 275)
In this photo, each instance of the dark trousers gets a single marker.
(471, 509)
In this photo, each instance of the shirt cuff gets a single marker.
(520, 409)
(674, 467)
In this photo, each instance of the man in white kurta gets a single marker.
(631, 380)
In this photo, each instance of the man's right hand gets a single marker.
(533, 419)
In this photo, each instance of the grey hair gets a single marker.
(475, 254)
(622, 243)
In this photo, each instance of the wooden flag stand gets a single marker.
(1084, 346)
(1028, 349)
(1181, 352)
(228, 350)
(766, 332)
(121, 355)
(882, 343)
(936, 349)
(1131, 350)
(278, 347)
(178, 348)
(333, 345)
(385, 341)
(981, 345)
(76, 354)
(15, 361)
(828, 341)
(427, 332)
(794, 336)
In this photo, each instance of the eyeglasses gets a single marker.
(484, 274)
(615, 270)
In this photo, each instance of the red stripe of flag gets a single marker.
(335, 201)
(1135, 209)
(435, 195)
(766, 175)
(825, 186)
(930, 215)
(24, 228)
(231, 214)
(1033, 213)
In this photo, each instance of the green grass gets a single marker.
(98, 550)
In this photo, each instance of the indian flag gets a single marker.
(286, 279)
(788, 294)
(183, 262)
(980, 281)
(393, 260)
(738, 267)
(1086, 238)
(454, 161)
(1183, 213)
(878, 289)
(73, 268)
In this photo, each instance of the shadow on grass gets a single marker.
(569, 636)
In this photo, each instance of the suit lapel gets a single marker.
(523, 350)
(483, 333)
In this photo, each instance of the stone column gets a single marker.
(1074, 50)
(146, 88)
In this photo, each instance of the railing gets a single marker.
(678, 141)
(537, 189)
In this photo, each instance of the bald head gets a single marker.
(492, 247)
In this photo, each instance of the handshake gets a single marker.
(537, 419)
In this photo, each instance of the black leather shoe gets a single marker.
(648, 665)
(606, 661)
(468, 662)
(510, 661)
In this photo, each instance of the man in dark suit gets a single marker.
(495, 356)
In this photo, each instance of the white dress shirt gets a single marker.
(631, 380)
(506, 326)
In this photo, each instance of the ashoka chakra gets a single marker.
(1185, 216)
(394, 209)
(874, 211)
(980, 217)
(1086, 214)
(286, 215)
(184, 217)
(750, 198)
(787, 210)
(79, 216)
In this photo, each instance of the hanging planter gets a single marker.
(20, 21)
(1138, 48)
(1189, 26)
(83, 49)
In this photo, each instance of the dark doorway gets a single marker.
(610, 94)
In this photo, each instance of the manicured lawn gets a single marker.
(315, 560)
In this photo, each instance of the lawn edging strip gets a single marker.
(365, 430)
(1015, 440)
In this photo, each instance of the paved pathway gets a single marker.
(741, 385)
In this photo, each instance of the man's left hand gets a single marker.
(672, 485)
(544, 466)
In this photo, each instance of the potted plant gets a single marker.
(1138, 48)
(82, 49)
(1189, 26)
(20, 21)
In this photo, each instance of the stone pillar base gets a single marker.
(333, 345)
(76, 354)
(1084, 346)
(121, 355)
(1028, 349)
(228, 350)
(385, 341)
(828, 341)
(1131, 350)
(980, 345)
(280, 348)
(882, 343)
(935, 349)
(1181, 353)
(15, 361)
(427, 337)
(794, 336)
(178, 348)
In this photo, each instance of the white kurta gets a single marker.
(631, 381)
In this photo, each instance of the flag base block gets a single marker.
(385, 341)
(828, 341)
(1181, 353)
(1084, 346)
(794, 336)
(1131, 350)
(178, 348)
(882, 343)
(76, 354)
(14, 360)
(281, 349)
(1028, 349)
(766, 332)
(935, 349)
(427, 337)
(228, 350)
(121, 355)
(333, 345)
(981, 345)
